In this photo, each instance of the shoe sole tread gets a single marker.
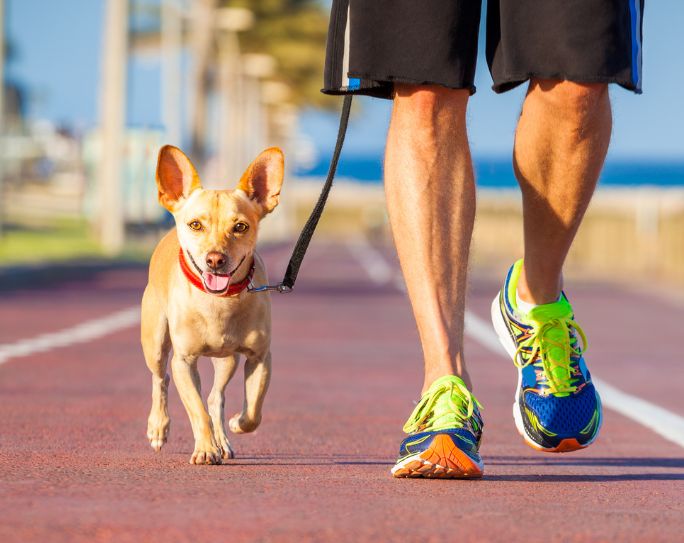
(441, 460)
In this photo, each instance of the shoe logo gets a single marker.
(593, 423)
(416, 442)
(534, 422)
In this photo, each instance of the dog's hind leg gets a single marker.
(257, 378)
(224, 368)
(156, 345)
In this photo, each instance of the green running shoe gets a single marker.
(557, 408)
(445, 430)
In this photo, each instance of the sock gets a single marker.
(525, 307)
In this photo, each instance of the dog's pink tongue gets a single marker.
(215, 282)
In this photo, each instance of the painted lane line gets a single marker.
(80, 333)
(665, 423)
(481, 331)
(373, 261)
(375, 264)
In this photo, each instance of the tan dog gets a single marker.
(196, 303)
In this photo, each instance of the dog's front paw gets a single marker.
(241, 425)
(158, 430)
(224, 447)
(206, 453)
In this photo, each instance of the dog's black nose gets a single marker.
(216, 260)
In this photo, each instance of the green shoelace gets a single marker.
(551, 341)
(447, 404)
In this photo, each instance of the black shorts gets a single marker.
(373, 44)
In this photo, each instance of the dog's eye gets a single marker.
(240, 227)
(195, 225)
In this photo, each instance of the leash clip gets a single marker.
(280, 287)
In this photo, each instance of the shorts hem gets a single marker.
(509, 82)
(376, 92)
(382, 86)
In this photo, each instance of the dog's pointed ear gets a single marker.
(176, 177)
(263, 179)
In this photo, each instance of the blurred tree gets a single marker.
(294, 33)
(201, 41)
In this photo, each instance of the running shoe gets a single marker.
(444, 430)
(557, 408)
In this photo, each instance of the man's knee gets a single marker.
(429, 102)
(574, 98)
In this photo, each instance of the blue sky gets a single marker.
(57, 49)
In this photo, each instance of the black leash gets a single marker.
(302, 244)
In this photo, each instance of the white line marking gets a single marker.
(663, 422)
(482, 332)
(372, 261)
(80, 333)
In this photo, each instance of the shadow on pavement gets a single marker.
(306, 461)
(587, 478)
(635, 462)
(591, 461)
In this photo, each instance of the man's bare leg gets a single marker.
(560, 145)
(431, 201)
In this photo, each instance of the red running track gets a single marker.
(75, 464)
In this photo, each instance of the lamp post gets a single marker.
(203, 15)
(171, 45)
(256, 68)
(230, 21)
(2, 113)
(112, 121)
(280, 118)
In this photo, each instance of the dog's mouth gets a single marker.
(215, 283)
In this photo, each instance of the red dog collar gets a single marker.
(232, 290)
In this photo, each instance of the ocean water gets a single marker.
(498, 173)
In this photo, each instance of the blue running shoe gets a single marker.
(444, 430)
(557, 408)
